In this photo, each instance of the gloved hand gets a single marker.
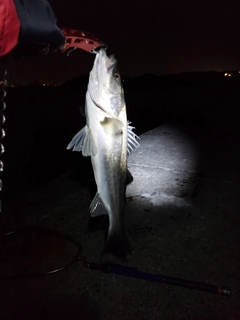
(39, 32)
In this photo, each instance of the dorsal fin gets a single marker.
(132, 143)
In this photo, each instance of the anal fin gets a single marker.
(97, 207)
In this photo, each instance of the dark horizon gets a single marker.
(53, 81)
(146, 37)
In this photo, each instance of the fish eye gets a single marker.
(117, 76)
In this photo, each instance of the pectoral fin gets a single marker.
(83, 141)
(112, 126)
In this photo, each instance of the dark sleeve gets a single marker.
(9, 26)
(38, 24)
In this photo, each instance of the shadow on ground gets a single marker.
(52, 307)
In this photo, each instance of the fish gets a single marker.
(108, 138)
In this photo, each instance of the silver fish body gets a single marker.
(108, 139)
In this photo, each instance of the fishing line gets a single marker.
(70, 51)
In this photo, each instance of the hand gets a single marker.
(39, 32)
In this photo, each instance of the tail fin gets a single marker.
(118, 245)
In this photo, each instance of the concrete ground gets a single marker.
(182, 218)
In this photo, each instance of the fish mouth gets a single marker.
(101, 81)
(110, 61)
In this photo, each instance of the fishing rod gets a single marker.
(109, 267)
(106, 267)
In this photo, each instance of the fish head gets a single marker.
(105, 87)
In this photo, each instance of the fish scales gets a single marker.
(107, 138)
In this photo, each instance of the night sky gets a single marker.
(160, 37)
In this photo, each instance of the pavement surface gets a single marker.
(182, 218)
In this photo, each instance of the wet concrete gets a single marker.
(182, 218)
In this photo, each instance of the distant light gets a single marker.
(44, 84)
(225, 74)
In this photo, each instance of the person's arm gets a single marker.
(32, 25)
(9, 26)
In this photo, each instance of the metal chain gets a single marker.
(2, 132)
